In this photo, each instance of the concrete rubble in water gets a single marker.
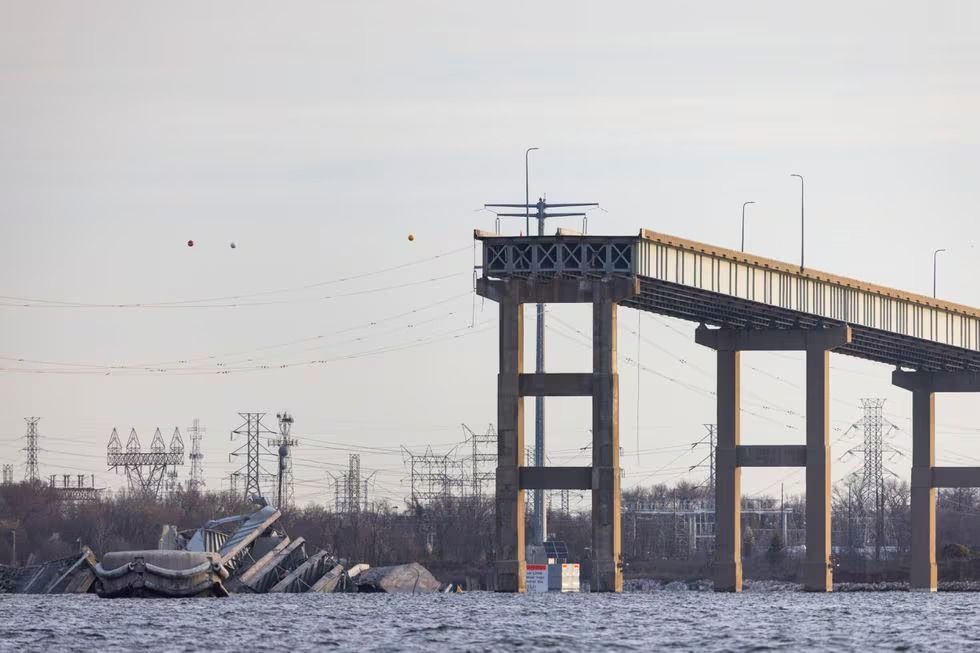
(245, 554)
(71, 575)
(240, 554)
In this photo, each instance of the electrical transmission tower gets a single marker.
(483, 460)
(708, 461)
(31, 473)
(433, 476)
(195, 483)
(284, 444)
(8, 475)
(145, 472)
(253, 473)
(80, 490)
(872, 488)
(347, 487)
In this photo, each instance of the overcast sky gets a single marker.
(318, 135)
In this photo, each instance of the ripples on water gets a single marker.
(484, 621)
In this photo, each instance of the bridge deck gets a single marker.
(722, 287)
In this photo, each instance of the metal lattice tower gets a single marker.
(434, 476)
(353, 482)
(565, 508)
(348, 486)
(195, 483)
(8, 475)
(31, 472)
(80, 489)
(254, 474)
(284, 444)
(872, 488)
(483, 460)
(145, 472)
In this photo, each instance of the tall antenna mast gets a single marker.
(31, 474)
(284, 444)
(196, 481)
(540, 524)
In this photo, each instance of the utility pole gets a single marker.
(31, 474)
(284, 444)
(255, 475)
(782, 513)
(708, 461)
(539, 532)
(13, 547)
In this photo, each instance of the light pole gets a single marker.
(744, 204)
(802, 223)
(935, 255)
(527, 192)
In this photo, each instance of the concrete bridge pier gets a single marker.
(602, 385)
(731, 455)
(926, 477)
(509, 497)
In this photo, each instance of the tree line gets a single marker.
(455, 534)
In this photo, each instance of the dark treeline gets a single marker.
(454, 536)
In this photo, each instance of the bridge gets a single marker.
(740, 303)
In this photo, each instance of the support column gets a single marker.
(728, 477)
(922, 565)
(817, 570)
(607, 575)
(511, 567)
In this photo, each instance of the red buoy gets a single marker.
(190, 243)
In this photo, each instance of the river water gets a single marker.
(682, 620)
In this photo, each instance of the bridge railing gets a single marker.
(778, 284)
(735, 274)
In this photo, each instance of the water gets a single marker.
(701, 621)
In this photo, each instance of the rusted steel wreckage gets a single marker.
(240, 554)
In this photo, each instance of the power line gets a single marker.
(200, 302)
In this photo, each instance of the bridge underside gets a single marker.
(711, 308)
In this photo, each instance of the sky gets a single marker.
(318, 135)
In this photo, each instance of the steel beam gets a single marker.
(556, 478)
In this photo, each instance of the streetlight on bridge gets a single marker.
(744, 204)
(802, 223)
(935, 255)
